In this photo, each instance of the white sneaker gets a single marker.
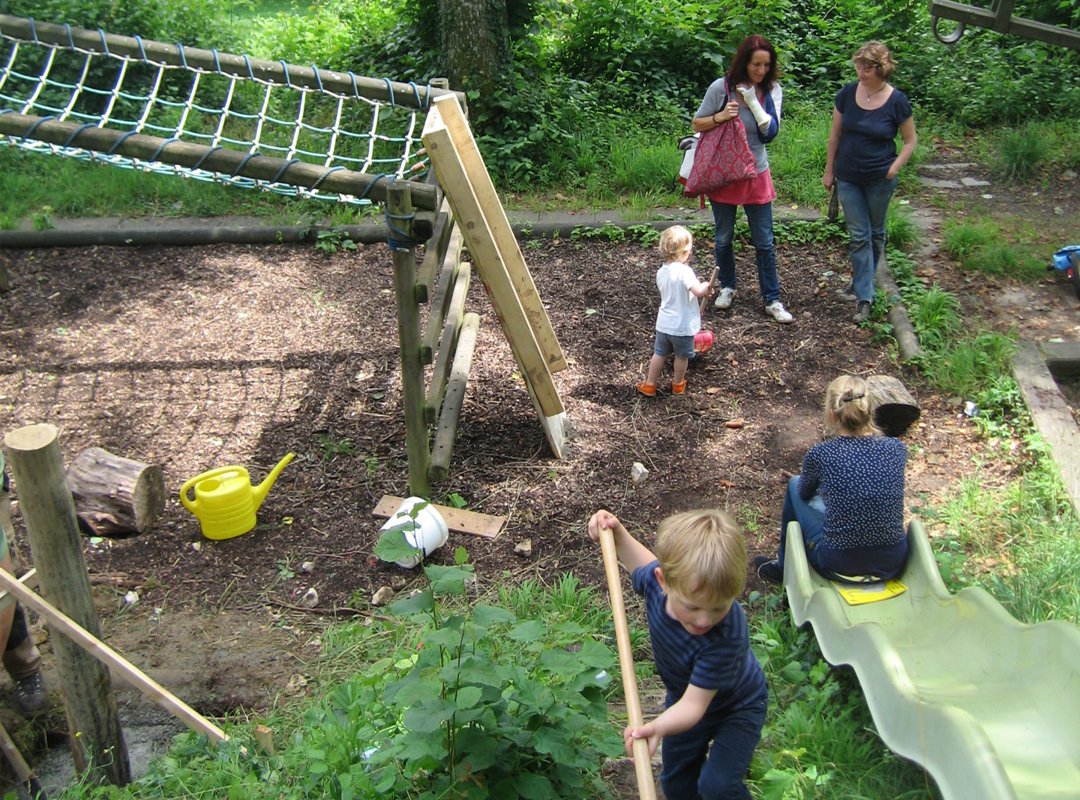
(723, 300)
(776, 310)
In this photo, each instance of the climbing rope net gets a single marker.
(210, 116)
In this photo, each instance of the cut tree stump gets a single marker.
(891, 405)
(113, 495)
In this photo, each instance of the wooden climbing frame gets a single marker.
(998, 17)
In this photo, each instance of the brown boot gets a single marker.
(678, 388)
(647, 389)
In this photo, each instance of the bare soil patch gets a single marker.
(201, 357)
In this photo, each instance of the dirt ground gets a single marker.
(194, 358)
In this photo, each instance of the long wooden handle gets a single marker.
(123, 668)
(642, 759)
(712, 283)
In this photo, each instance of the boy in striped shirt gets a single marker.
(716, 691)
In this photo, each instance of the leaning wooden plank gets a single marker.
(28, 579)
(121, 667)
(491, 266)
(457, 519)
(450, 412)
(448, 344)
(454, 119)
(1051, 415)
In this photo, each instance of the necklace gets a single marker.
(878, 90)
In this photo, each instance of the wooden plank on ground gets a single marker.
(1051, 415)
(454, 119)
(457, 519)
(490, 264)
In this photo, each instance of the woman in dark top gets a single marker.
(863, 162)
(849, 499)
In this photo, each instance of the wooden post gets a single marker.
(96, 741)
(399, 211)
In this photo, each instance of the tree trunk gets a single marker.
(475, 41)
(115, 495)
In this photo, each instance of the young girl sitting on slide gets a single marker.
(849, 499)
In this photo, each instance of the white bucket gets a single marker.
(424, 529)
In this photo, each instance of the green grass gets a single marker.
(982, 247)
(818, 740)
(30, 182)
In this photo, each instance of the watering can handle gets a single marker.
(189, 504)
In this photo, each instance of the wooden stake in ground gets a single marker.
(642, 759)
(96, 740)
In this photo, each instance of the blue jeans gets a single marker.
(880, 562)
(761, 234)
(811, 518)
(694, 770)
(865, 208)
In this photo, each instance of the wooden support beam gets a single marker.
(447, 345)
(434, 252)
(450, 412)
(497, 226)
(444, 288)
(399, 212)
(471, 214)
(48, 510)
(998, 18)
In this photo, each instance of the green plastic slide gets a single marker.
(989, 706)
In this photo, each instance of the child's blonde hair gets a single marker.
(675, 241)
(847, 408)
(702, 554)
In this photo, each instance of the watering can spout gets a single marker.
(258, 493)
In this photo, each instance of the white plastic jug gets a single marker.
(424, 528)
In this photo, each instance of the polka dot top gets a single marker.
(861, 480)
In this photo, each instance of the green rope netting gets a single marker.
(218, 102)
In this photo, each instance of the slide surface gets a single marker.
(989, 706)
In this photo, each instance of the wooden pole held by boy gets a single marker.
(642, 759)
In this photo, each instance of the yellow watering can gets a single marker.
(225, 501)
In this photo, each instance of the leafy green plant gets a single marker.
(331, 240)
(455, 500)
(488, 707)
(43, 219)
(333, 446)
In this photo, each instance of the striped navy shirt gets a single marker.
(721, 659)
